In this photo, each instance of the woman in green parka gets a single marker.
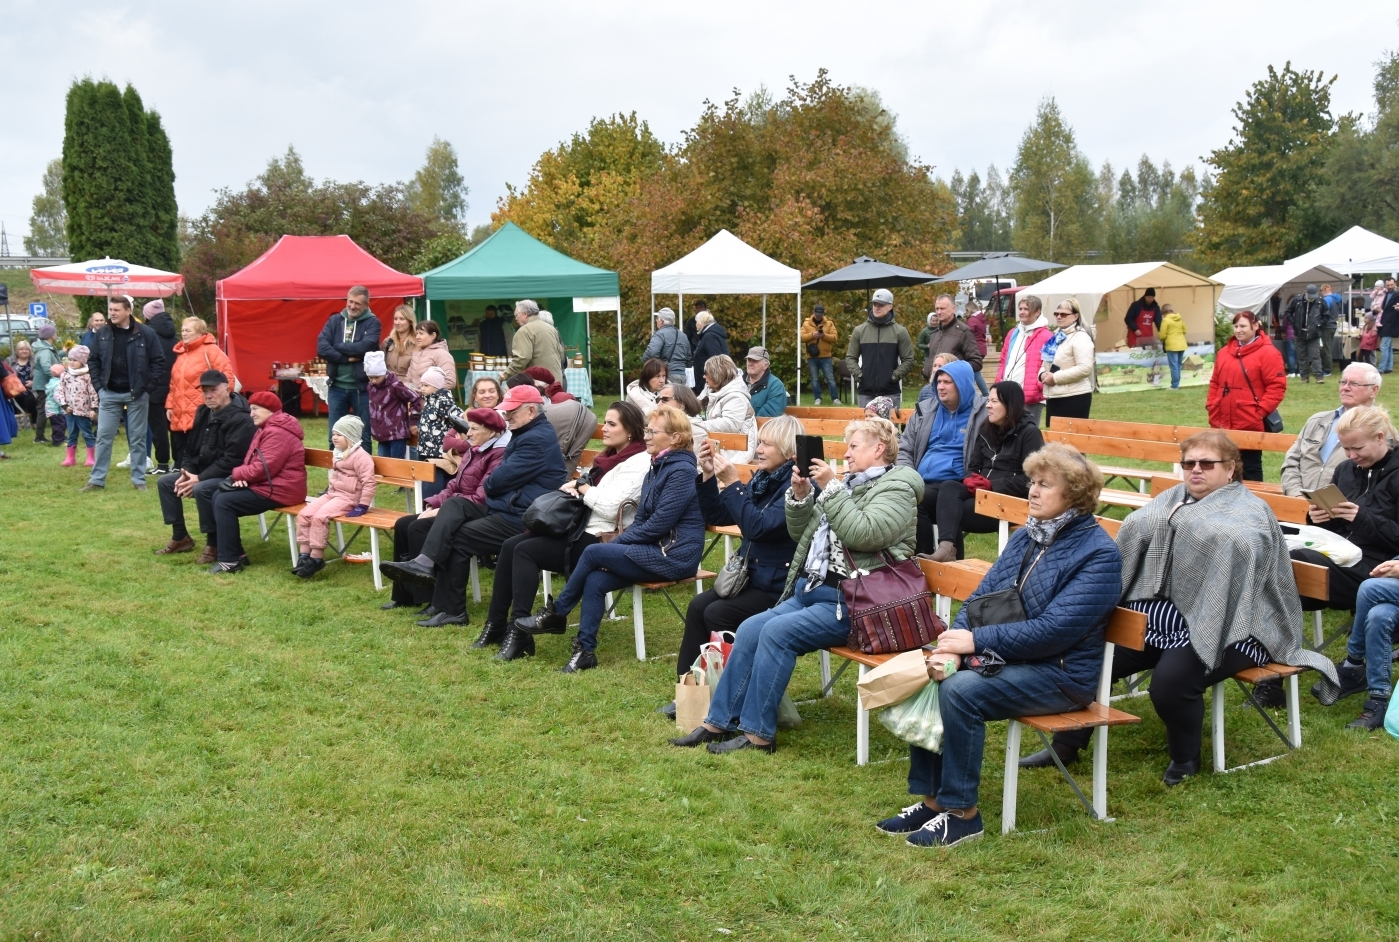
(868, 517)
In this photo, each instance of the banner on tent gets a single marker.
(1127, 370)
(595, 305)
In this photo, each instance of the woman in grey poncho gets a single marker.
(1207, 563)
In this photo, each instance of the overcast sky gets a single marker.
(361, 88)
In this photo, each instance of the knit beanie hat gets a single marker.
(434, 376)
(270, 402)
(48, 332)
(540, 374)
(352, 427)
(489, 418)
(374, 363)
(79, 354)
(152, 307)
(882, 406)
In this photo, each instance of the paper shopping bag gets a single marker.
(894, 681)
(691, 703)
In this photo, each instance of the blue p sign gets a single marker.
(38, 309)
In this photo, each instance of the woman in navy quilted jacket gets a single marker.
(1069, 572)
(664, 542)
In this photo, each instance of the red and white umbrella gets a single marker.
(107, 276)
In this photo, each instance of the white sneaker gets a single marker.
(124, 463)
(816, 402)
(150, 466)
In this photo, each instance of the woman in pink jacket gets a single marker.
(350, 493)
(1020, 354)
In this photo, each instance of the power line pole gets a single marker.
(4, 242)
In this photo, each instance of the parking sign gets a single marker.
(38, 309)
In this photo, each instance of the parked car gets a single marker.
(15, 327)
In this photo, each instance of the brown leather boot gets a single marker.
(210, 555)
(177, 546)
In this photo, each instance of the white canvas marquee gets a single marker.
(1251, 287)
(1356, 251)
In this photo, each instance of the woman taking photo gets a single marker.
(664, 542)
(1249, 382)
(857, 522)
(610, 489)
(431, 351)
(758, 509)
(401, 343)
(644, 390)
(997, 464)
(728, 405)
(485, 393)
(1069, 574)
(1066, 365)
(1207, 564)
(195, 354)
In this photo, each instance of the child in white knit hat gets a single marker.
(350, 493)
(393, 407)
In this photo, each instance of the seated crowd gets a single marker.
(1206, 561)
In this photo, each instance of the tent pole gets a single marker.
(651, 320)
(799, 345)
(621, 371)
(765, 321)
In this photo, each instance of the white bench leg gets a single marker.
(374, 559)
(699, 586)
(862, 729)
(1002, 536)
(291, 539)
(638, 625)
(609, 605)
(340, 538)
(548, 584)
(475, 580)
(826, 671)
(1318, 632)
(728, 548)
(262, 525)
(1012, 777)
(1217, 693)
(1100, 773)
(1294, 714)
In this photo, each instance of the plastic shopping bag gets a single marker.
(917, 720)
(1336, 548)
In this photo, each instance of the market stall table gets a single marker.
(577, 381)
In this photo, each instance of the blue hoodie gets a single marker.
(942, 461)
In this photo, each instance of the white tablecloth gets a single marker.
(320, 385)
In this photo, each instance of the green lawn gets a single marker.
(184, 756)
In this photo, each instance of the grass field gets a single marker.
(184, 756)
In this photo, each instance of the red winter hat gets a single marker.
(267, 400)
(489, 418)
(541, 374)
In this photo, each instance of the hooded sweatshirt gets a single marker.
(943, 458)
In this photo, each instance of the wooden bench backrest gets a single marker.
(397, 472)
(730, 441)
(825, 412)
(1164, 452)
(958, 581)
(1311, 579)
(1286, 509)
(589, 455)
(1145, 431)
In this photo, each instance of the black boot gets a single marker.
(546, 621)
(582, 659)
(301, 562)
(516, 645)
(1067, 754)
(491, 633)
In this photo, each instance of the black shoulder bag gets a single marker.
(1272, 422)
(1005, 606)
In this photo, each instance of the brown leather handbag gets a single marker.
(891, 608)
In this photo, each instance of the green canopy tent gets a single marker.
(509, 266)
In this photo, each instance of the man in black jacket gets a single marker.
(1307, 314)
(127, 364)
(881, 352)
(156, 419)
(712, 340)
(1389, 324)
(343, 342)
(217, 443)
(533, 465)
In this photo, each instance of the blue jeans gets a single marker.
(980, 382)
(398, 448)
(603, 568)
(1386, 354)
(1372, 632)
(114, 406)
(822, 366)
(343, 402)
(967, 701)
(765, 653)
(80, 423)
(1289, 353)
(1174, 358)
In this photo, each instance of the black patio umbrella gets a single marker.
(993, 266)
(866, 274)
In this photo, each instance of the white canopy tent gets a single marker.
(1104, 292)
(1251, 287)
(1356, 251)
(728, 265)
(588, 306)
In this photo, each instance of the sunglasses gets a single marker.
(665, 399)
(1204, 464)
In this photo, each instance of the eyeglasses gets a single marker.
(1065, 314)
(1346, 382)
(665, 398)
(1204, 464)
(653, 432)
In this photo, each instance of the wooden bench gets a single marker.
(390, 472)
(843, 413)
(1139, 450)
(638, 624)
(1144, 431)
(1125, 627)
(1311, 581)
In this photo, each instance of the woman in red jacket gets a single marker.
(273, 474)
(1249, 382)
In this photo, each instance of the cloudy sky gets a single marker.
(361, 88)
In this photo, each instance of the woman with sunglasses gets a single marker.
(1067, 364)
(682, 397)
(1069, 574)
(1207, 563)
(1249, 381)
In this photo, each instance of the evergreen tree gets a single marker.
(165, 214)
(48, 224)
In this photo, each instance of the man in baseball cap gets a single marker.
(881, 352)
(768, 394)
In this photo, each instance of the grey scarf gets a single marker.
(1043, 531)
(825, 546)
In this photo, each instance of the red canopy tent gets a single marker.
(274, 309)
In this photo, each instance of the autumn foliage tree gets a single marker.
(813, 180)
